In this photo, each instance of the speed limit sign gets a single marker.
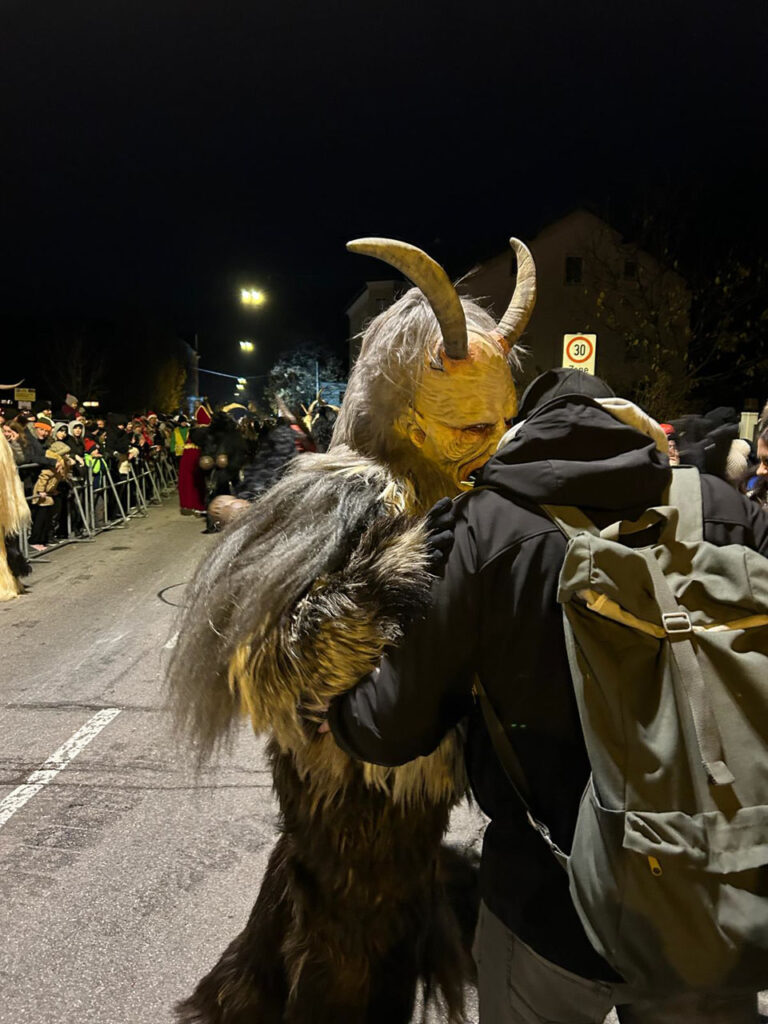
(579, 352)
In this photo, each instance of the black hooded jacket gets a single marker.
(495, 615)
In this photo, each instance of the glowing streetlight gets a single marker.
(242, 381)
(247, 346)
(252, 297)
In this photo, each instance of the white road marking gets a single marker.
(57, 762)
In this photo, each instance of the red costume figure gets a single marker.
(191, 479)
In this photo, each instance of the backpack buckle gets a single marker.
(677, 624)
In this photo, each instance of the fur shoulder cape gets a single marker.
(296, 603)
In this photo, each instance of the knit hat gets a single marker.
(43, 423)
(562, 380)
(737, 462)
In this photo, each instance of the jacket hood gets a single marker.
(575, 450)
(61, 425)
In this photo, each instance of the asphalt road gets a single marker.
(122, 878)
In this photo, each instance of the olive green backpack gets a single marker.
(668, 650)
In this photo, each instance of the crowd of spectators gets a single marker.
(228, 452)
(51, 455)
(711, 443)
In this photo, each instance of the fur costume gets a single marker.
(223, 451)
(353, 909)
(14, 518)
(297, 602)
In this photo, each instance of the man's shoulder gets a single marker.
(495, 524)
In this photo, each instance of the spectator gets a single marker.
(757, 486)
(94, 462)
(179, 436)
(762, 452)
(45, 412)
(11, 434)
(674, 453)
(69, 408)
(55, 483)
(97, 430)
(76, 441)
(34, 442)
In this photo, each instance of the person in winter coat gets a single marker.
(12, 436)
(179, 437)
(495, 616)
(76, 441)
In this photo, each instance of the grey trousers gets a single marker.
(517, 986)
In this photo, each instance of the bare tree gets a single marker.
(72, 365)
(169, 385)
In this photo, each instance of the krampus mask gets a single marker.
(295, 603)
(432, 394)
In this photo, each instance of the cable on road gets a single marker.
(161, 594)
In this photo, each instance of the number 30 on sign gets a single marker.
(579, 352)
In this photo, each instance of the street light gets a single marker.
(247, 346)
(252, 297)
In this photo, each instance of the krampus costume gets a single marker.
(295, 603)
(14, 518)
(223, 452)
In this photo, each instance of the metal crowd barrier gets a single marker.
(106, 499)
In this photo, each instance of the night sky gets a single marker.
(157, 154)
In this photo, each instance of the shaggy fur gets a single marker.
(14, 518)
(294, 605)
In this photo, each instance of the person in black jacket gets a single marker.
(495, 616)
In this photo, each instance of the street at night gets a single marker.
(383, 512)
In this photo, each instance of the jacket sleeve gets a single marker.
(730, 518)
(421, 689)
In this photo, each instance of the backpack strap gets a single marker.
(689, 676)
(510, 762)
(570, 520)
(685, 494)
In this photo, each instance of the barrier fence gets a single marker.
(103, 498)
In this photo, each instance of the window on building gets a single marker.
(573, 269)
(630, 270)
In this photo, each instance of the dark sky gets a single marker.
(156, 153)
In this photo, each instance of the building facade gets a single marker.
(589, 281)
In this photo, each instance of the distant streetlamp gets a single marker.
(247, 346)
(252, 297)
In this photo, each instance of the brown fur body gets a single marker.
(357, 906)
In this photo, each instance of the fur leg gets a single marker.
(249, 983)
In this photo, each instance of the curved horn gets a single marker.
(433, 282)
(518, 313)
(7, 387)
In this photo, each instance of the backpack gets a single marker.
(668, 650)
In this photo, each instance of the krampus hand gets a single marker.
(440, 523)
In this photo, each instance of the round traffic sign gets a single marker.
(579, 349)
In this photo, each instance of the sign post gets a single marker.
(579, 352)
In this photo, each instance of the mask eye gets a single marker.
(477, 428)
